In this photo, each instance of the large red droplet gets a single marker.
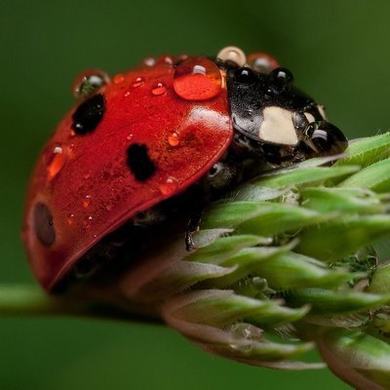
(197, 78)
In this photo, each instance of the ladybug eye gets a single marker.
(325, 138)
(89, 82)
(262, 62)
(88, 115)
(245, 76)
(232, 54)
(280, 80)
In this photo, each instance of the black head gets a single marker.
(268, 110)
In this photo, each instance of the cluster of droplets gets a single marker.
(194, 79)
(138, 82)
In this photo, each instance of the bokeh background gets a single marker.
(338, 51)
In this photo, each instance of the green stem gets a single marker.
(24, 300)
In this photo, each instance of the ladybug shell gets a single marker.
(82, 187)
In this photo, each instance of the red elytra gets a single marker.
(85, 190)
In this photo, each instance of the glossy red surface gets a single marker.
(85, 182)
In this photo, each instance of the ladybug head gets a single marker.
(268, 110)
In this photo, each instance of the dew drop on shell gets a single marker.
(89, 82)
(86, 201)
(173, 139)
(88, 221)
(56, 162)
(197, 78)
(159, 89)
(138, 82)
(169, 187)
(70, 219)
(118, 79)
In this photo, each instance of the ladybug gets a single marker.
(156, 144)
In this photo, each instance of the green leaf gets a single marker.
(358, 358)
(380, 281)
(346, 200)
(292, 270)
(342, 236)
(332, 302)
(225, 247)
(296, 177)
(366, 151)
(375, 177)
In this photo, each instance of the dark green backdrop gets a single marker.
(339, 52)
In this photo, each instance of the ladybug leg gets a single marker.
(192, 227)
(223, 176)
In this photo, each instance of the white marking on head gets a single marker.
(277, 126)
(321, 110)
(309, 117)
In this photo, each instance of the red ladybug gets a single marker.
(160, 140)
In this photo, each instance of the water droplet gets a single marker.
(197, 78)
(70, 219)
(182, 57)
(168, 60)
(150, 61)
(232, 54)
(159, 89)
(56, 162)
(246, 331)
(86, 201)
(87, 221)
(87, 176)
(118, 79)
(129, 137)
(173, 139)
(138, 82)
(89, 82)
(169, 187)
(262, 62)
(127, 94)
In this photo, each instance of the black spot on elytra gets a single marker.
(139, 162)
(43, 224)
(88, 114)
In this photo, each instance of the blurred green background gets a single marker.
(338, 51)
